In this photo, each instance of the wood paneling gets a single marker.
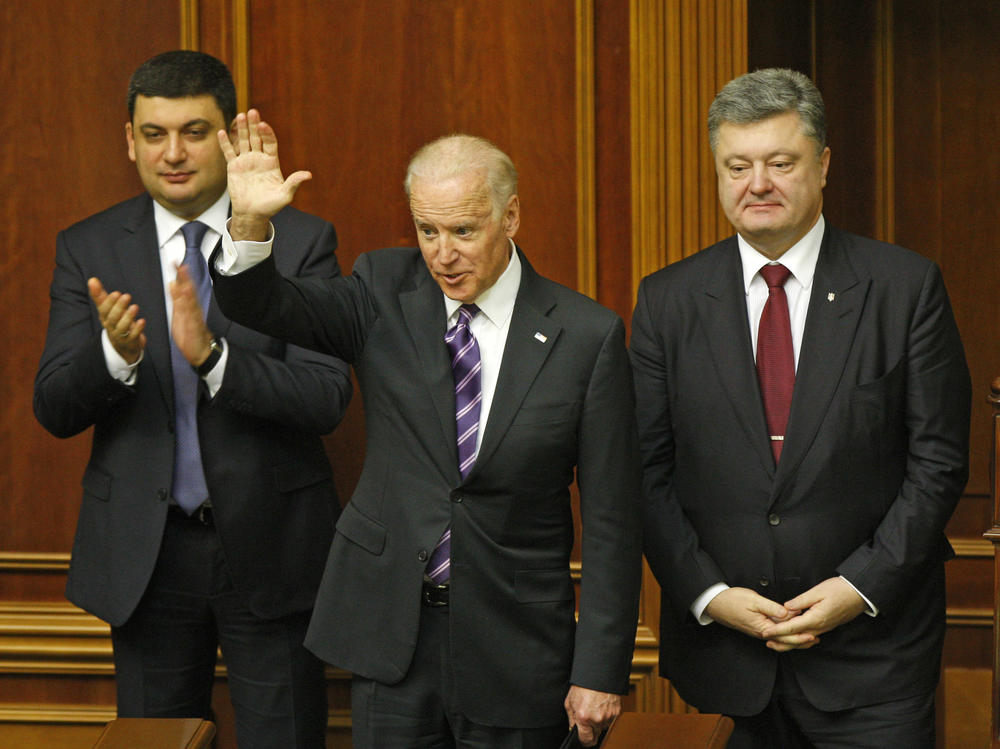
(62, 158)
(601, 104)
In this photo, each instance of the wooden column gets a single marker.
(682, 53)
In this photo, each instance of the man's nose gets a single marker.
(760, 181)
(175, 151)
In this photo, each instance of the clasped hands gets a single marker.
(127, 331)
(798, 623)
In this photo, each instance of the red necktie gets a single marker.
(775, 358)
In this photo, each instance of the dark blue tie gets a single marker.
(189, 489)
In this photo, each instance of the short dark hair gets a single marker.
(181, 73)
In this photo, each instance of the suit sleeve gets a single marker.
(937, 405)
(73, 389)
(670, 542)
(608, 479)
(321, 314)
(304, 389)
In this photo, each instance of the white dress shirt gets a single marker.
(172, 249)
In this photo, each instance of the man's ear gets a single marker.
(130, 140)
(512, 216)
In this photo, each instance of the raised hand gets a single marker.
(257, 188)
(118, 317)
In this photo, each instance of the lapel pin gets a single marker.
(540, 337)
(830, 296)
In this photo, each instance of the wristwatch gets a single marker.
(211, 360)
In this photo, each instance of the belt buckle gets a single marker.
(435, 595)
(203, 515)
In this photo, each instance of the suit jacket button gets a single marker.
(773, 519)
(422, 555)
(161, 494)
(764, 582)
(458, 498)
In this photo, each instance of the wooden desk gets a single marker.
(668, 731)
(157, 733)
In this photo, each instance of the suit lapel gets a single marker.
(139, 258)
(723, 311)
(524, 354)
(835, 306)
(424, 313)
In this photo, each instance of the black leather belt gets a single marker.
(435, 595)
(202, 516)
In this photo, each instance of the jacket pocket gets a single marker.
(361, 530)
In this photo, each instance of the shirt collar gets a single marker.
(168, 224)
(497, 302)
(800, 258)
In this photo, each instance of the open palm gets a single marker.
(257, 188)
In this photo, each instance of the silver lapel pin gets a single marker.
(830, 296)
(540, 337)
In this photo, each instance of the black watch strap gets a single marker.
(211, 360)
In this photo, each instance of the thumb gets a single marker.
(295, 180)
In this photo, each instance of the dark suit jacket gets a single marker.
(267, 472)
(874, 459)
(562, 402)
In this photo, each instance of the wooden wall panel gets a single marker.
(63, 156)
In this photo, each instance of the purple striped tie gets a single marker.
(465, 366)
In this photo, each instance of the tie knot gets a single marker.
(466, 312)
(194, 232)
(775, 275)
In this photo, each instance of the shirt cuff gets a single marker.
(118, 368)
(237, 257)
(213, 380)
(702, 601)
(872, 609)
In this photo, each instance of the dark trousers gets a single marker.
(419, 712)
(165, 654)
(791, 722)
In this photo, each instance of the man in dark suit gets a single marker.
(208, 505)
(448, 590)
(794, 506)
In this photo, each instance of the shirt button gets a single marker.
(422, 555)
(774, 519)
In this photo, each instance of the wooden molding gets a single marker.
(586, 155)
(31, 561)
(885, 169)
(190, 35)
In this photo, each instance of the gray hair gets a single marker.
(757, 96)
(456, 155)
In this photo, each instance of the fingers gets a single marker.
(792, 642)
(226, 145)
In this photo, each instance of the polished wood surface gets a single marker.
(668, 731)
(157, 733)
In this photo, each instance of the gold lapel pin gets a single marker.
(830, 296)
